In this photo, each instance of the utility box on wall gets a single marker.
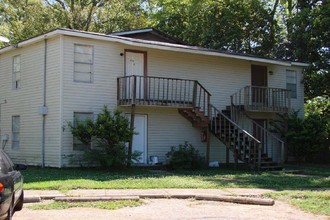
(203, 136)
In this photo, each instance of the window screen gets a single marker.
(81, 116)
(83, 63)
(16, 72)
(291, 82)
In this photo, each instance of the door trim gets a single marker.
(145, 70)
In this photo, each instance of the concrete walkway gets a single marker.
(236, 195)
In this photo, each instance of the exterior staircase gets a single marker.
(193, 103)
(245, 146)
(197, 117)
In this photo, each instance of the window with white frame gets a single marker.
(81, 117)
(291, 82)
(83, 63)
(16, 72)
(16, 124)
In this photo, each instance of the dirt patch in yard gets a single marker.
(174, 209)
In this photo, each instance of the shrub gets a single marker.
(110, 131)
(185, 156)
(305, 137)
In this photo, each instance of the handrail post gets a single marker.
(208, 140)
(259, 156)
(118, 91)
(289, 101)
(282, 153)
(194, 94)
(134, 90)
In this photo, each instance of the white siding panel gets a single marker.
(222, 77)
(89, 97)
(26, 101)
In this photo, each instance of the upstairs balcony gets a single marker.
(161, 91)
(262, 99)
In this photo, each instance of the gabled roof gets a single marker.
(150, 34)
(149, 44)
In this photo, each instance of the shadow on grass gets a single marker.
(208, 178)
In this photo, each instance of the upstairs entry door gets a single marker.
(259, 84)
(135, 66)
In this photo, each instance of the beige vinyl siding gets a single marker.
(53, 123)
(88, 97)
(222, 77)
(26, 101)
(167, 128)
(278, 80)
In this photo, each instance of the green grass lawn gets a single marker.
(67, 179)
(297, 189)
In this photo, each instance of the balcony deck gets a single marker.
(160, 91)
(262, 99)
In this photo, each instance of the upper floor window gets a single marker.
(83, 63)
(291, 82)
(81, 117)
(16, 72)
(16, 124)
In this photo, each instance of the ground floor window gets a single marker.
(16, 124)
(81, 117)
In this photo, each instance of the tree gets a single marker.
(75, 14)
(110, 132)
(311, 43)
(24, 19)
(103, 16)
(307, 138)
(236, 26)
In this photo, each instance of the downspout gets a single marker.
(44, 109)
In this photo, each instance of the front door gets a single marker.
(140, 139)
(259, 84)
(135, 66)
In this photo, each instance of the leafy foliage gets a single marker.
(305, 137)
(110, 131)
(185, 156)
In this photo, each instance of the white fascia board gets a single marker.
(145, 44)
(30, 41)
(300, 64)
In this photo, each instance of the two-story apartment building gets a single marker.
(220, 102)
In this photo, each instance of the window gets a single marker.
(16, 124)
(291, 82)
(81, 116)
(16, 72)
(83, 63)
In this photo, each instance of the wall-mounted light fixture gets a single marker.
(121, 54)
(270, 72)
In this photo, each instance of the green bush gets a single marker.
(305, 137)
(185, 156)
(110, 131)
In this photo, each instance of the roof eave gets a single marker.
(31, 41)
(300, 64)
(146, 44)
